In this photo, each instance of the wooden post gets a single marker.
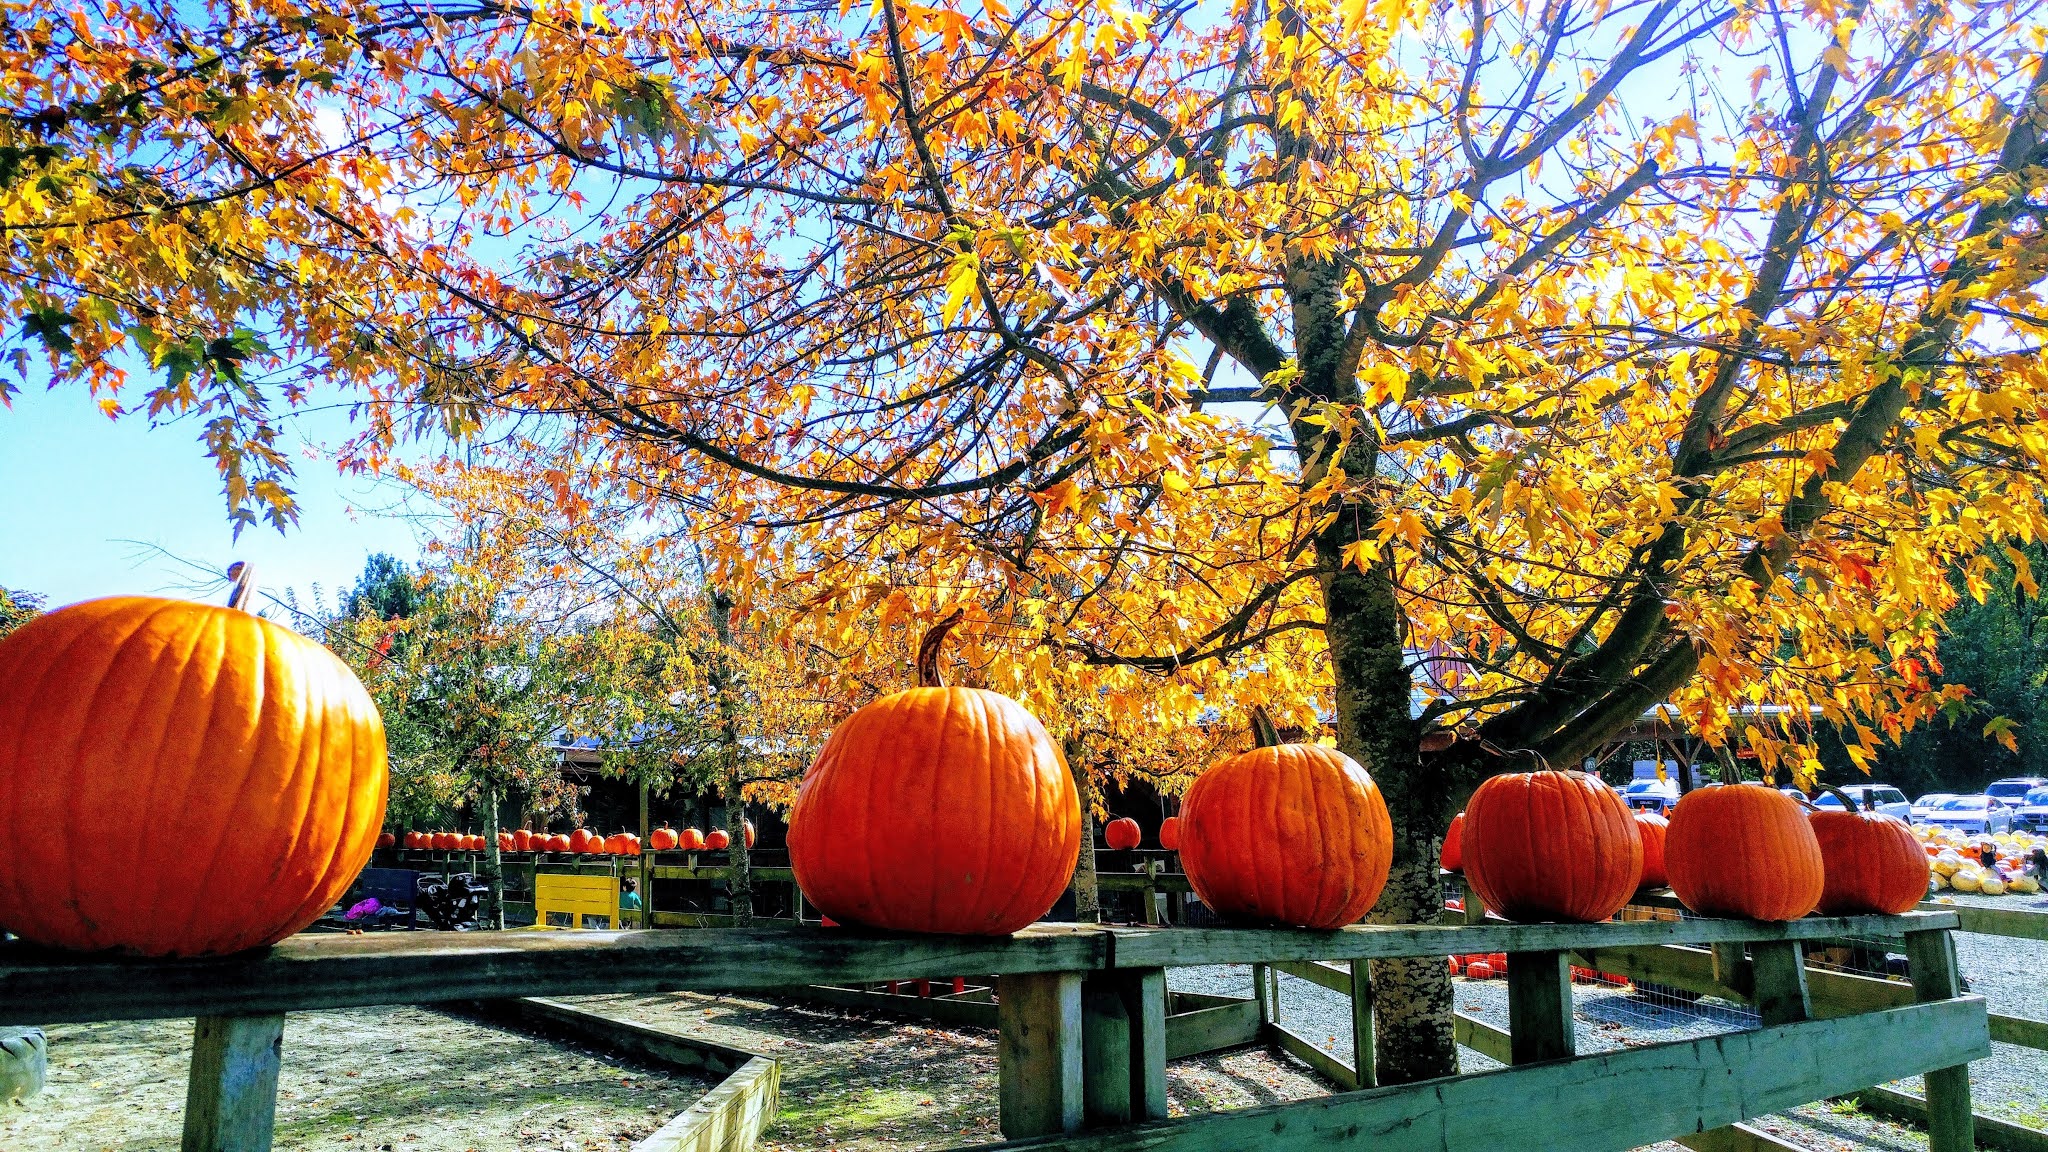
(1269, 1008)
(1361, 1024)
(1475, 908)
(1151, 894)
(1039, 1058)
(231, 1099)
(1540, 1007)
(1105, 1053)
(1931, 962)
(1731, 970)
(1143, 991)
(1778, 971)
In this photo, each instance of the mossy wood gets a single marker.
(1605, 1103)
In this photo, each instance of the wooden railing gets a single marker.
(1081, 1011)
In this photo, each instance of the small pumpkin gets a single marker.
(747, 826)
(445, 841)
(717, 840)
(522, 840)
(937, 809)
(257, 745)
(1653, 828)
(1122, 834)
(1551, 846)
(559, 842)
(1452, 858)
(1870, 862)
(615, 844)
(581, 839)
(1292, 834)
(386, 840)
(662, 839)
(1169, 834)
(692, 840)
(1743, 850)
(507, 843)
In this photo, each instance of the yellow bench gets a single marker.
(580, 898)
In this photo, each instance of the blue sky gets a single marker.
(83, 499)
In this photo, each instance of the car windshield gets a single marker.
(1933, 799)
(2009, 788)
(1964, 803)
(2038, 796)
(1829, 800)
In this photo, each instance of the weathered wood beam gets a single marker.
(1603, 1103)
(1540, 1007)
(1039, 1054)
(1931, 958)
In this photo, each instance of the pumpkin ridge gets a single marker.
(223, 707)
(151, 727)
(75, 817)
(31, 913)
(322, 882)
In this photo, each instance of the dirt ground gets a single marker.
(364, 1080)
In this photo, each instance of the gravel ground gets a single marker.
(397, 1079)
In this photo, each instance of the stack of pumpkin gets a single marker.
(1564, 846)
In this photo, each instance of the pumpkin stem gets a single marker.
(928, 675)
(244, 576)
(1264, 734)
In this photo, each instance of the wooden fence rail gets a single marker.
(1082, 1017)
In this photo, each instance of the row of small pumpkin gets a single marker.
(1565, 846)
(582, 841)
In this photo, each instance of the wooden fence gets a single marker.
(1082, 1017)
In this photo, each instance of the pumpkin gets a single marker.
(615, 844)
(937, 809)
(386, 840)
(1293, 834)
(1479, 970)
(691, 840)
(1122, 834)
(257, 745)
(747, 826)
(580, 840)
(1551, 846)
(506, 842)
(1870, 862)
(411, 839)
(559, 842)
(522, 840)
(1452, 858)
(1743, 850)
(444, 841)
(1653, 828)
(717, 840)
(662, 839)
(1169, 834)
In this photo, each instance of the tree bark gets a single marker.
(739, 883)
(492, 915)
(1087, 901)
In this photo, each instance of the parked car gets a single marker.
(1887, 799)
(2014, 789)
(1980, 814)
(1658, 796)
(1925, 806)
(2032, 815)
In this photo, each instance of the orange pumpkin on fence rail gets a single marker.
(257, 745)
(1653, 828)
(1551, 846)
(936, 809)
(1870, 862)
(1292, 834)
(1121, 834)
(1743, 850)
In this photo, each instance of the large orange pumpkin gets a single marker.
(1453, 856)
(1169, 834)
(1122, 834)
(1653, 828)
(937, 809)
(662, 839)
(1292, 834)
(1551, 846)
(1743, 850)
(1870, 862)
(255, 744)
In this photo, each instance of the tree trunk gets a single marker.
(492, 915)
(1087, 903)
(739, 883)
